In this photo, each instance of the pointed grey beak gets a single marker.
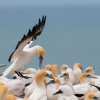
(50, 82)
(63, 75)
(91, 76)
(58, 92)
(2, 65)
(50, 76)
(40, 61)
(96, 98)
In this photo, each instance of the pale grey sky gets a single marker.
(7, 3)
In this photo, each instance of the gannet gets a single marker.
(65, 68)
(23, 54)
(52, 87)
(54, 69)
(89, 70)
(77, 72)
(67, 93)
(16, 87)
(40, 91)
(30, 88)
(91, 96)
(84, 87)
(67, 80)
(47, 68)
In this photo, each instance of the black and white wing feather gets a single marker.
(26, 40)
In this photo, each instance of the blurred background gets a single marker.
(71, 33)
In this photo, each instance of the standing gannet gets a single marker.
(65, 68)
(47, 68)
(23, 54)
(54, 69)
(30, 88)
(89, 70)
(16, 87)
(3, 92)
(67, 80)
(91, 96)
(77, 72)
(40, 91)
(67, 93)
(52, 87)
(84, 87)
(95, 89)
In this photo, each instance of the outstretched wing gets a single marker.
(26, 40)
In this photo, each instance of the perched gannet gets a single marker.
(89, 70)
(65, 68)
(77, 72)
(95, 89)
(84, 87)
(3, 92)
(91, 96)
(47, 68)
(39, 92)
(52, 87)
(30, 88)
(16, 87)
(67, 80)
(23, 54)
(10, 97)
(67, 93)
(54, 69)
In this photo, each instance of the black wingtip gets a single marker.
(36, 31)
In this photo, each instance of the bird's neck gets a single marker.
(33, 51)
(39, 81)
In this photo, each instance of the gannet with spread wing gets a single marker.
(23, 54)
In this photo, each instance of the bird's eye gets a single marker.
(65, 74)
(65, 67)
(88, 75)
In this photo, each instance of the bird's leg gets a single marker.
(26, 77)
(17, 73)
